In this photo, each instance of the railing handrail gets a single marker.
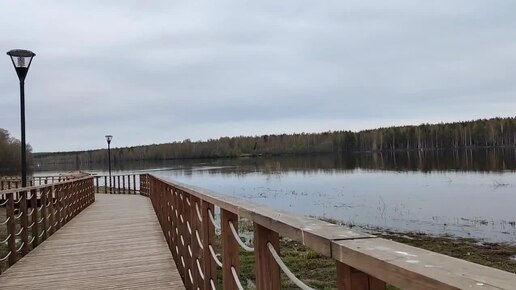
(29, 188)
(394, 263)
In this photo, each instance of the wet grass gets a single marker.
(496, 255)
(320, 272)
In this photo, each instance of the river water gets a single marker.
(460, 193)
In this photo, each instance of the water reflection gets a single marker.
(491, 160)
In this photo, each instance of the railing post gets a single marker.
(105, 185)
(57, 208)
(68, 201)
(185, 241)
(24, 222)
(174, 220)
(92, 195)
(208, 238)
(134, 183)
(11, 228)
(51, 228)
(195, 224)
(349, 278)
(230, 257)
(35, 225)
(267, 270)
(44, 223)
(97, 183)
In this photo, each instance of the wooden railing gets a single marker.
(15, 182)
(32, 214)
(186, 215)
(118, 184)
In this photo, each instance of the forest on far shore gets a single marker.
(483, 133)
(10, 154)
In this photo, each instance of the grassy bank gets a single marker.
(320, 273)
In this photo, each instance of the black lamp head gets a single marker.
(21, 59)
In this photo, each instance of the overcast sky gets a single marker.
(161, 71)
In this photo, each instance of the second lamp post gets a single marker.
(21, 60)
(108, 139)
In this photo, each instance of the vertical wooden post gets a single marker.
(195, 223)
(349, 278)
(174, 223)
(58, 208)
(230, 250)
(11, 228)
(92, 197)
(188, 239)
(118, 184)
(66, 203)
(267, 270)
(105, 185)
(97, 183)
(123, 184)
(24, 222)
(185, 241)
(44, 223)
(208, 238)
(35, 226)
(51, 211)
(134, 183)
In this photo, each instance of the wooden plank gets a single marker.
(116, 243)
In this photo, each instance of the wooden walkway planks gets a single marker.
(116, 243)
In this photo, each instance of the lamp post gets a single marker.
(21, 61)
(108, 139)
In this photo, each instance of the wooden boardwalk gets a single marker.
(116, 243)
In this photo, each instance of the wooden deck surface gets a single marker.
(116, 243)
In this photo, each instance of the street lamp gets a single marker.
(108, 139)
(21, 60)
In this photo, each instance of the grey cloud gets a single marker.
(151, 72)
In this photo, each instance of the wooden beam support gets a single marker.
(349, 278)
(230, 249)
(267, 270)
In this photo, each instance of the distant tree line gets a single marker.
(10, 154)
(497, 132)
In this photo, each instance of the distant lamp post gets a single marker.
(21, 60)
(108, 139)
